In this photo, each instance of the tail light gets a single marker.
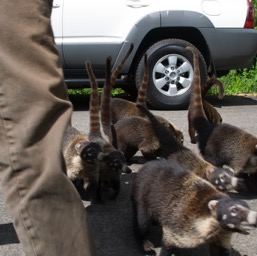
(249, 22)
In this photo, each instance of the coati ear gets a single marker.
(212, 205)
(228, 168)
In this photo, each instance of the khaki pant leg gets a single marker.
(48, 214)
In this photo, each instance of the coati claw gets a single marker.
(149, 248)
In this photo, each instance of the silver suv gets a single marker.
(221, 30)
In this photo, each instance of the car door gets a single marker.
(95, 29)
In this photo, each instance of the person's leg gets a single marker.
(48, 214)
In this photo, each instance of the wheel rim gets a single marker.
(172, 75)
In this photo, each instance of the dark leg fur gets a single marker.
(166, 252)
(116, 188)
(204, 130)
(250, 182)
(93, 191)
(141, 224)
(216, 250)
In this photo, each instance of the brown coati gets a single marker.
(136, 134)
(189, 210)
(223, 143)
(107, 164)
(106, 111)
(210, 111)
(114, 163)
(124, 108)
(222, 178)
(133, 133)
(121, 108)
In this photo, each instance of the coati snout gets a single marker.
(234, 215)
(117, 162)
(224, 179)
(89, 151)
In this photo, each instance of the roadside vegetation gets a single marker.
(243, 81)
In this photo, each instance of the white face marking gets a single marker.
(234, 181)
(231, 225)
(222, 180)
(224, 217)
(216, 181)
(252, 217)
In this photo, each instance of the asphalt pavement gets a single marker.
(112, 221)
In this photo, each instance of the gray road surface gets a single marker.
(112, 221)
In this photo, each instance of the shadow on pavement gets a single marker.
(8, 234)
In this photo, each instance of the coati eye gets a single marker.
(222, 178)
(234, 211)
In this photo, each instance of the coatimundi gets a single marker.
(210, 111)
(222, 143)
(121, 108)
(124, 108)
(189, 210)
(133, 133)
(106, 169)
(222, 178)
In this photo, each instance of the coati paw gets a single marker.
(148, 248)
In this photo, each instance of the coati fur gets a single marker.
(106, 165)
(222, 178)
(222, 143)
(210, 111)
(133, 133)
(189, 210)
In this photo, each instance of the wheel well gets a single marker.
(192, 35)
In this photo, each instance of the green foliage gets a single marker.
(87, 91)
(244, 80)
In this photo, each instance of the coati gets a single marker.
(189, 210)
(222, 178)
(108, 163)
(121, 108)
(222, 143)
(210, 111)
(133, 133)
(124, 108)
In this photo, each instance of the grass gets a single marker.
(243, 81)
(87, 91)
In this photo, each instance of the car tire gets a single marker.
(170, 74)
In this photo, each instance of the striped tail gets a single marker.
(105, 101)
(141, 95)
(94, 103)
(196, 102)
(116, 72)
